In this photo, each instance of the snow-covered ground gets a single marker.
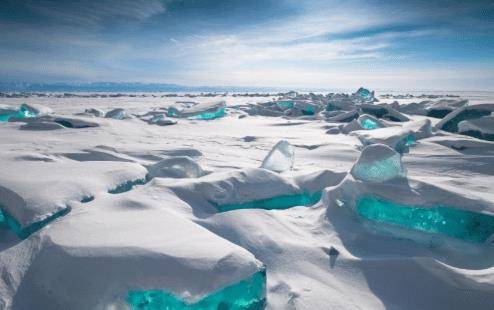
(95, 214)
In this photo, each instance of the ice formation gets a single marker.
(280, 158)
(378, 163)
(368, 122)
(450, 122)
(95, 112)
(383, 111)
(482, 128)
(364, 95)
(24, 111)
(117, 113)
(202, 111)
(247, 294)
(453, 222)
(176, 167)
(275, 203)
(397, 138)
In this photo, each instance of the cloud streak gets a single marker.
(208, 42)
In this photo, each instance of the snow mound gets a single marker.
(105, 250)
(280, 158)
(176, 167)
(378, 163)
(62, 182)
(41, 126)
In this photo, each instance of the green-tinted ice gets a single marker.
(280, 202)
(24, 232)
(285, 104)
(369, 124)
(127, 186)
(248, 294)
(23, 112)
(209, 115)
(456, 223)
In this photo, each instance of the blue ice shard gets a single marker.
(248, 294)
(452, 222)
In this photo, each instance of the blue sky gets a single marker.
(437, 45)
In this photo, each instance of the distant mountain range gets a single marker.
(123, 87)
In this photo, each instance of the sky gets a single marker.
(409, 45)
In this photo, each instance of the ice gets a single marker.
(24, 231)
(383, 111)
(176, 167)
(24, 111)
(452, 222)
(275, 203)
(32, 110)
(95, 112)
(307, 107)
(201, 111)
(378, 163)
(41, 126)
(126, 186)
(482, 128)
(117, 113)
(369, 122)
(285, 104)
(247, 294)
(364, 95)
(280, 158)
(450, 122)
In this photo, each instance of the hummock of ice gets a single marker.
(280, 158)
(157, 118)
(436, 109)
(95, 112)
(450, 122)
(24, 111)
(202, 111)
(378, 163)
(369, 122)
(117, 113)
(482, 128)
(364, 95)
(176, 167)
(364, 122)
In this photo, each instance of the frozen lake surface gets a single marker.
(146, 208)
